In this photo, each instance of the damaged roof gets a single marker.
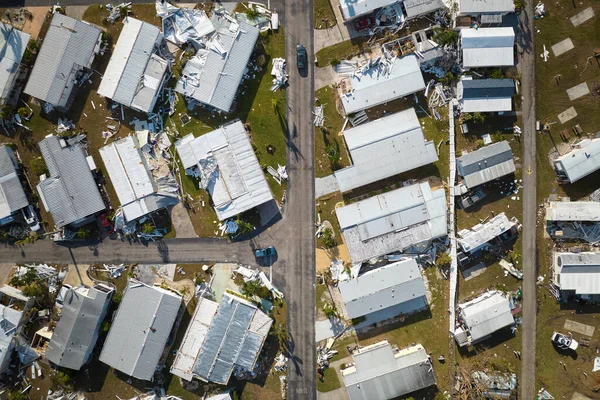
(13, 44)
(585, 211)
(485, 95)
(393, 221)
(383, 148)
(213, 76)
(235, 337)
(488, 47)
(486, 164)
(69, 45)
(70, 192)
(12, 195)
(237, 182)
(383, 82)
(383, 287)
(140, 329)
(132, 179)
(581, 161)
(473, 239)
(74, 338)
(381, 373)
(486, 314)
(135, 72)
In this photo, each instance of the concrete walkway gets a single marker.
(324, 77)
(325, 186)
(182, 222)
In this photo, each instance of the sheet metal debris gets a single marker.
(118, 11)
(181, 25)
(278, 71)
(319, 118)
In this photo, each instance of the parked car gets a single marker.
(31, 218)
(269, 251)
(564, 342)
(301, 57)
(364, 23)
(106, 225)
(468, 200)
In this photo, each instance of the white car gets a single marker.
(564, 342)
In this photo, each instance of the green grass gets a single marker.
(329, 137)
(97, 13)
(330, 381)
(326, 207)
(323, 14)
(341, 51)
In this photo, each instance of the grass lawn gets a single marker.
(330, 150)
(323, 14)
(97, 13)
(343, 50)
(326, 207)
(330, 381)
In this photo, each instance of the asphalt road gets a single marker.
(528, 93)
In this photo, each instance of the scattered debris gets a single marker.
(118, 11)
(510, 269)
(278, 71)
(540, 10)
(181, 25)
(319, 117)
(64, 125)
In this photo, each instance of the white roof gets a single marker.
(486, 314)
(579, 272)
(12, 195)
(581, 161)
(485, 95)
(140, 330)
(486, 6)
(383, 287)
(384, 82)
(472, 239)
(486, 164)
(132, 180)
(488, 47)
(585, 211)
(383, 148)
(238, 183)
(393, 221)
(197, 330)
(135, 72)
(355, 8)
(13, 43)
(10, 320)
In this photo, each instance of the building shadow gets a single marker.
(374, 330)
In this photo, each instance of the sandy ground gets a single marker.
(324, 257)
(6, 271)
(77, 275)
(33, 27)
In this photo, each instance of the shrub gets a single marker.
(328, 239)
(38, 166)
(252, 14)
(148, 228)
(335, 62)
(479, 143)
(443, 260)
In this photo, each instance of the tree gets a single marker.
(35, 290)
(148, 228)
(328, 239)
(243, 226)
(497, 73)
(250, 288)
(478, 118)
(279, 330)
(330, 311)
(252, 14)
(335, 62)
(443, 260)
(520, 4)
(16, 395)
(445, 36)
(84, 233)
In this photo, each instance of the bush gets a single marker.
(84, 233)
(443, 260)
(444, 37)
(252, 14)
(328, 239)
(497, 73)
(148, 228)
(38, 166)
(479, 143)
(335, 62)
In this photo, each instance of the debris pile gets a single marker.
(340, 272)
(250, 275)
(278, 71)
(42, 271)
(182, 25)
(64, 125)
(318, 114)
(324, 354)
(118, 11)
(279, 174)
(113, 271)
(540, 10)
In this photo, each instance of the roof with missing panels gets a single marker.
(579, 272)
(12, 195)
(485, 6)
(393, 221)
(486, 164)
(486, 314)
(480, 234)
(488, 47)
(383, 82)
(380, 373)
(581, 161)
(68, 45)
(131, 177)
(236, 181)
(485, 95)
(77, 330)
(234, 338)
(383, 287)
(383, 148)
(135, 72)
(13, 43)
(70, 192)
(140, 330)
(213, 76)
